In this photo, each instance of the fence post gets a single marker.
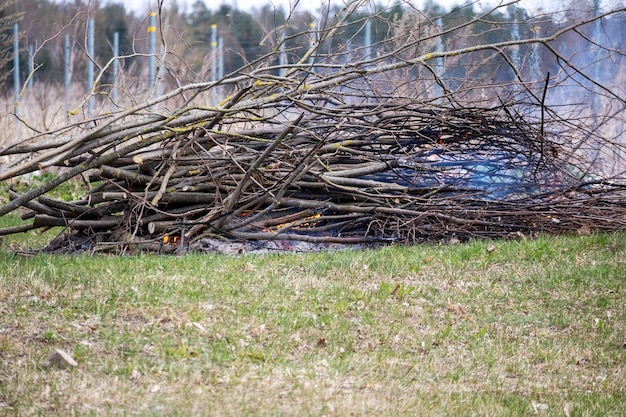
(214, 92)
(214, 52)
(515, 58)
(534, 56)
(116, 53)
(368, 39)
(282, 57)
(220, 53)
(312, 39)
(16, 75)
(67, 77)
(31, 65)
(16, 63)
(595, 103)
(152, 50)
(595, 94)
(90, 66)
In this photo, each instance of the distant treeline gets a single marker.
(246, 35)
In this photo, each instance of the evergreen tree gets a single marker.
(8, 17)
(111, 19)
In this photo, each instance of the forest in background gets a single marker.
(185, 37)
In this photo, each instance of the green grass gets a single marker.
(536, 327)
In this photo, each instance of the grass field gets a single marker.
(532, 327)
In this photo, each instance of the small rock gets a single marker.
(59, 359)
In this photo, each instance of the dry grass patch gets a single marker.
(534, 327)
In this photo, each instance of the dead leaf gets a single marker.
(395, 290)
(539, 407)
(196, 325)
(579, 259)
(457, 309)
(249, 267)
(585, 358)
(584, 230)
(257, 331)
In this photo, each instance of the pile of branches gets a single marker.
(396, 171)
(331, 150)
